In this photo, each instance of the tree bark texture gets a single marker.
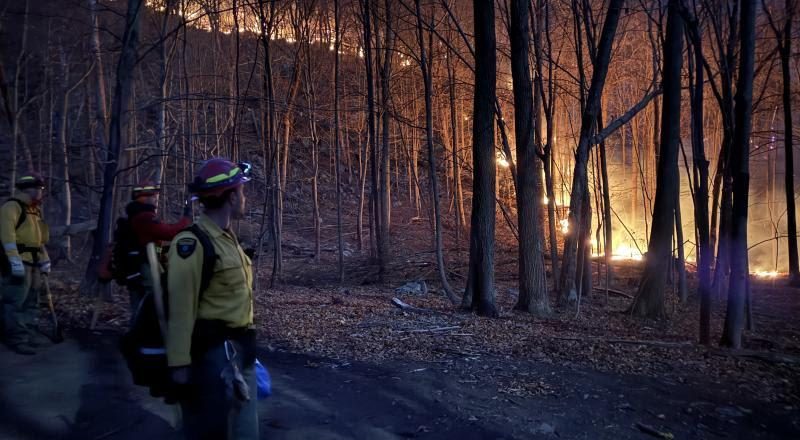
(479, 294)
(649, 300)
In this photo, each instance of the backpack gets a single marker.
(143, 347)
(127, 255)
(5, 266)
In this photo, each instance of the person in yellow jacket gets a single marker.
(23, 234)
(210, 340)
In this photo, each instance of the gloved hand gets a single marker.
(187, 209)
(180, 375)
(44, 267)
(181, 387)
(17, 268)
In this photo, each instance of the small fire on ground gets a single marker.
(765, 274)
(622, 252)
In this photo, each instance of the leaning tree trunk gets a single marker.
(532, 285)
(580, 177)
(649, 300)
(740, 171)
(543, 27)
(700, 164)
(437, 216)
(479, 293)
(127, 61)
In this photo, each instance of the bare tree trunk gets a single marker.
(375, 220)
(788, 145)
(457, 194)
(127, 61)
(337, 140)
(385, 71)
(700, 165)
(649, 300)
(61, 139)
(543, 27)
(479, 293)
(683, 291)
(101, 112)
(424, 64)
(608, 243)
(532, 285)
(364, 158)
(272, 164)
(740, 171)
(161, 116)
(784, 44)
(588, 122)
(18, 106)
(311, 98)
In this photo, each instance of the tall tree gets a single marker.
(548, 104)
(337, 35)
(385, 73)
(783, 38)
(649, 300)
(479, 293)
(372, 143)
(122, 94)
(271, 150)
(532, 285)
(588, 126)
(425, 59)
(99, 80)
(739, 167)
(705, 253)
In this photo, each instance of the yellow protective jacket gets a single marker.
(228, 298)
(31, 234)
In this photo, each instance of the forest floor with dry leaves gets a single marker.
(430, 370)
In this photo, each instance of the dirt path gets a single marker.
(80, 390)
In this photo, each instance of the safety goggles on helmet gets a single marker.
(219, 175)
(30, 180)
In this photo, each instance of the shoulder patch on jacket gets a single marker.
(186, 247)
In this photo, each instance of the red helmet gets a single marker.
(30, 179)
(218, 175)
(146, 188)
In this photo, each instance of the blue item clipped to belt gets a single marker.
(263, 380)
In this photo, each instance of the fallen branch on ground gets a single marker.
(613, 291)
(427, 330)
(409, 308)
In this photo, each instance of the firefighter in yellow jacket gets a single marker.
(211, 340)
(23, 234)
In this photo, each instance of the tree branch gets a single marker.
(615, 124)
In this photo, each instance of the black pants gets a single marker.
(211, 413)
